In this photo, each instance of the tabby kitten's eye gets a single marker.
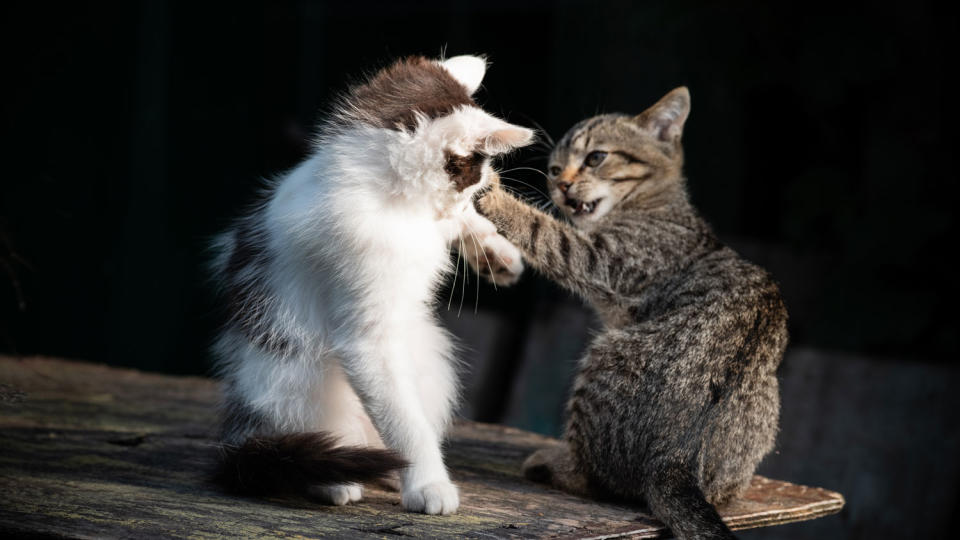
(554, 171)
(595, 158)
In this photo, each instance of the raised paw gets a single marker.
(496, 259)
(338, 494)
(433, 498)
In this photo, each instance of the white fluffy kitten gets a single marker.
(332, 350)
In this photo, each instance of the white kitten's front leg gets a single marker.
(384, 378)
(489, 253)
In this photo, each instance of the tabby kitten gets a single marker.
(676, 401)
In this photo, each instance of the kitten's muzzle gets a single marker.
(582, 207)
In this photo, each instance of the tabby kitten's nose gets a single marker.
(563, 186)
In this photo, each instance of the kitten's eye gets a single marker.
(554, 171)
(595, 158)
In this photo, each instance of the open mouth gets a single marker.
(581, 208)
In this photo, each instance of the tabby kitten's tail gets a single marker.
(296, 462)
(674, 497)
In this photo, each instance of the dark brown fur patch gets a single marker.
(395, 95)
(292, 463)
(465, 171)
(246, 298)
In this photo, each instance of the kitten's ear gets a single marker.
(504, 138)
(666, 118)
(467, 70)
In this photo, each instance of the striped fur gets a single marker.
(676, 401)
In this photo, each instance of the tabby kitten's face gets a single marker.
(612, 158)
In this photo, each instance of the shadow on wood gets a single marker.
(87, 450)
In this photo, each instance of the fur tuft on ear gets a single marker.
(506, 138)
(467, 70)
(665, 119)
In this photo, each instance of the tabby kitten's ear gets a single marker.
(666, 118)
(467, 70)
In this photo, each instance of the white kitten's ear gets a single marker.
(506, 137)
(666, 118)
(467, 70)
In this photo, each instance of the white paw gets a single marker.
(496, 259)
(433, 498)
(338, 494)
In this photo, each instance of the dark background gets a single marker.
(820, 145)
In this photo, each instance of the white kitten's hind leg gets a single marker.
(340, 413)
(338, 494)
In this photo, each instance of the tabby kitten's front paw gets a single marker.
(496, 259)
(487, 202)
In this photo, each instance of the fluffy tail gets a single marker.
(675, 499)
(290, 464)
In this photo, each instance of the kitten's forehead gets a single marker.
(587, 132)
(397, 95)
(597, 130)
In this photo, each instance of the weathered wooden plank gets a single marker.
(91, 451)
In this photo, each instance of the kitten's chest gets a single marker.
(408, 251)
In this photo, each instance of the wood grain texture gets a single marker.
(92, 451)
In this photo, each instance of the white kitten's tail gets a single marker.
(296, 462)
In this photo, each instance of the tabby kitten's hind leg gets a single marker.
(556, 465)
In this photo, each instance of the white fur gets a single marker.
(359, 236)
(467, 70)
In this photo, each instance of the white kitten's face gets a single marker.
(438, 141)
(448, 159)
(470, 136)
(452, 151)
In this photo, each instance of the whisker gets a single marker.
(476, 245)
(531, 186)
(538, 171)
(504, 263)
(456, 271)
(463, 291)
(538, 158)
(540, 129)
(528, 198)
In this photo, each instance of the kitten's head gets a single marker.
(438, 141)
(607, 160)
